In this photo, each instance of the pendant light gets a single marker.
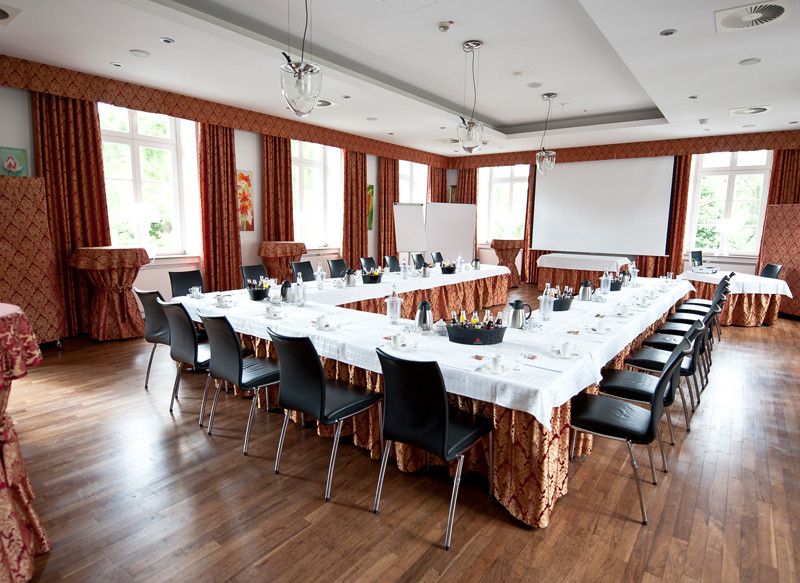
(470, 133)
(546, 159)
(301, 81)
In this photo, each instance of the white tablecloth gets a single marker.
(534, 385)
(743, 283)
(582, 262)
(333, 296)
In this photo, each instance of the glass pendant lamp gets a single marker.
(546, 159)
(470, 132)
(301, 81)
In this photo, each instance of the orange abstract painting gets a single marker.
(244, 193)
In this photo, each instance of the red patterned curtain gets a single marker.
(530, 273)
(467, 187)
(222, 251)
(69, 155)
(437, 184)
(389, 193)
(650, 266)
(784, 180)
(356, 207)
(276, 168)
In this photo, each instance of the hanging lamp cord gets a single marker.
(303, 45)
(474, 86)
(546, 119)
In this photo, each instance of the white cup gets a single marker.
(497, 362)
(565, 349)
(624, 310)
(397, 340)
(322, 322)
(270, 311)
(222, 301)
(600, 326)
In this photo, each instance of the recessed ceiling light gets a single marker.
(749, 125)
(795, 121)
(117, 64)
(166, 40)
(372, 119)
(442, 127)
(139, 53)
(534, 85)
(694, 97)
(668, 32)
(391, 133)
(345, 97)
(4, 14)
(750, 61)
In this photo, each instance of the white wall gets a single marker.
(248, 157)
(16, 129)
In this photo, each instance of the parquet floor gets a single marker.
(128, 492)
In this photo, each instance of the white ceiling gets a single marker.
(617, 79)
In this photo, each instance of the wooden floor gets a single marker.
(128, 492)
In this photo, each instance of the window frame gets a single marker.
(332, 185)
(136, 141)
(485, 208)
(730, 171)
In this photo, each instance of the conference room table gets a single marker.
(571, 269)
(527, 399)
(753, 300)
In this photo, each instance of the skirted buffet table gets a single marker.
(277, 257)
(23, 534)
(570, 269)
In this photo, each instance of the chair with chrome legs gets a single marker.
(156, 326)
(615, 419)
(436, 256)
(419, 260)
(303, 268)
(392, 263)
(304, 388)
(771, 270)
(253, 273)
(182, 281)
(416, 412)
(723, 288)
(368, 264)
(184, 346)
(337, 267)
(228, 364)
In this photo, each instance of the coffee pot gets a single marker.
(586, 291)
(476, 264)
(424, 317)
(518, 317)
(349, 278)
(287, 295)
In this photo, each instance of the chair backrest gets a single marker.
(305, 268)
(226, 350)
(181, 281)
(368, 263)
(437, 257)
(392, 262)
(419, 260)
(182, 333)
(771, 270)
(667, 381)
(302, 385)
(415, 403)
(156, 326)
(337, 267)
(254, 272)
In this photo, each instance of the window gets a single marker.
(413, 182)
(142, 179)
(502, 202)
(317, 194)
(729, 196)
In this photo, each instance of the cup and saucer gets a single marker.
(599, 327)
(272, 313)
(495, 365)
(324, 323)
(565, 350)
(623, 311)
(195, 292)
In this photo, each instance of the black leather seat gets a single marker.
(181, 281)
(392, 262)
(304, 388)
(228, 364)
(437, 257)
(368, 264)
(184, 345)
(337, 266)
(771, 270)
(609, 417)
(416, 412)
(305, 268)
(253, 273)
(156, 326)
(419, 260)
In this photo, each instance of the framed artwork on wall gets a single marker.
(13, 162)
(451, 193)
(244, 195)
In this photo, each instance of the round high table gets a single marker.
(277, 257)
(112, 271)
(507, 251)
(23, 533)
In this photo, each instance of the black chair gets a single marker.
(253, 272)
(723, 283)
(303, 267)
(771, 270)
(615, 419)
(419, 260)
(304, 388)
(184, 346)
(417, 413)
(437, 257)
(181, 281)
(368, 264)
(228, 364)
(392, 263)
(337, 267)
(156, 327)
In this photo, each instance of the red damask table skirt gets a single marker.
(112, 271)
(22, 534)
(742, 309)
(277, 257)
(507, 251)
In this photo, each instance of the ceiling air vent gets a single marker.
(751, 16)
(745, 111)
